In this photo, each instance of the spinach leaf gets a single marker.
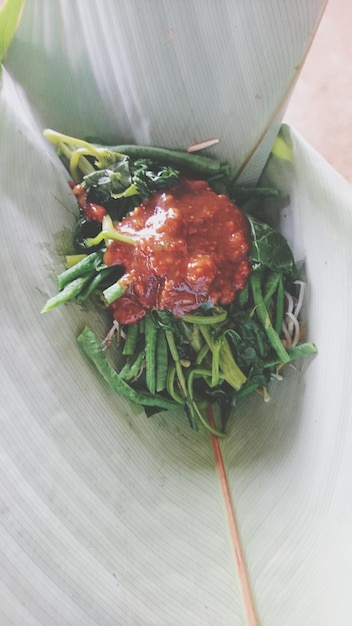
(250, 341)
(110, 182)
(124, 179)
(270, 248)
(153, 175)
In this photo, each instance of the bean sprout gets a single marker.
(290, 307)
(114, 330)
(300, 298)
(290, 326)
(295, 338)
(287, 336)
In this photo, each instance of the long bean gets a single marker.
(241, 194)
(200, 165)
(133, 367)
(150, 350)
(161, 360)
(87, 264)
(71, 291)
(91, 287)
(131, 340)
(91, 347)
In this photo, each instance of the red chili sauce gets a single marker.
(191, 247)
(91, 210)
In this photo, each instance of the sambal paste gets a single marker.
(191, 250)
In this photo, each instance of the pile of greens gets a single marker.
(216, 355)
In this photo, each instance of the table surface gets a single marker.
(320, 108)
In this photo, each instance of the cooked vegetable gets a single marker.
(205, 296)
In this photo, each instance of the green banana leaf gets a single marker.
(10, 12)
(109, 517)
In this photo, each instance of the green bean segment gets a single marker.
(70, 292)
(85, 266)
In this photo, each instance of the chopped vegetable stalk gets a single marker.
(228, 366)
(114, 292)
(264, 317)
(108, 232)
(214, 318)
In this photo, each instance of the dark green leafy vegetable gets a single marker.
(216, 355)
(126, 179)
(270, 248)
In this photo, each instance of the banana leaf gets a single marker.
(10, 13)
(109, 517)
